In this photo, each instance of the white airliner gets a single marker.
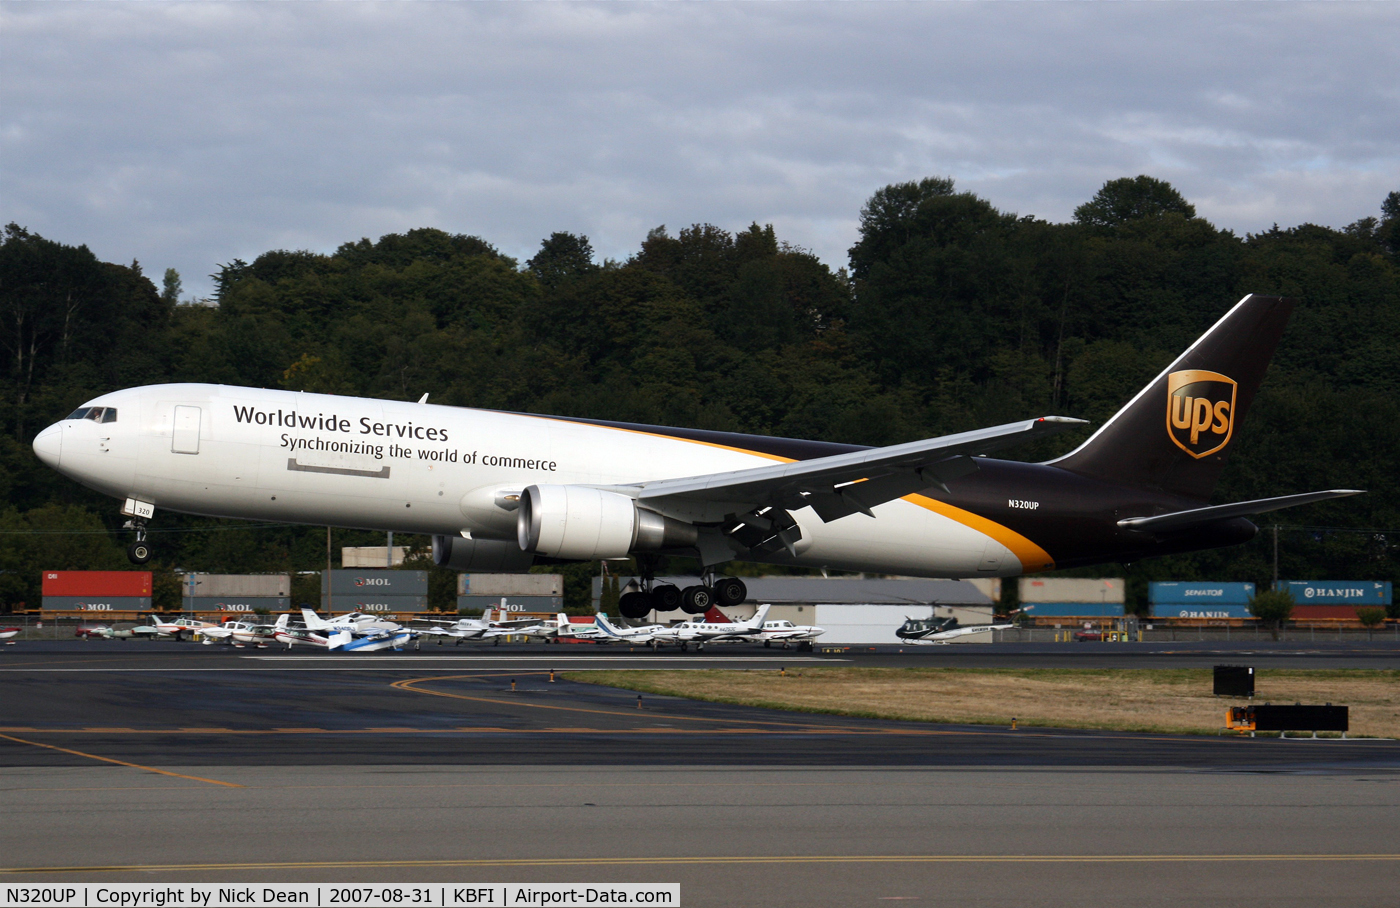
(499, 491)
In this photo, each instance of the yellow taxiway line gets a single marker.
(80, 753)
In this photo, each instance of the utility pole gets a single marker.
(1275, 556)
(328, 572)
(389, 556)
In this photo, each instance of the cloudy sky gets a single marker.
(188, 134)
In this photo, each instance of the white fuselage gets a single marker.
(310, 458)
(786, 631)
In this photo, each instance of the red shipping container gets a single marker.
(1347, 612)
(97, 583)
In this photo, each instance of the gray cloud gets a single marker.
(190, 134)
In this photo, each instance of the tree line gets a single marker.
(950, 315)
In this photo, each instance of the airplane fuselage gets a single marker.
(274, 455)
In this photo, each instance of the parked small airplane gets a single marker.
(369, 641)
(142, 632)
(641, 635)
(708, 630)
(354, 622)
(239, 633)
(485, 628)
(7, 632)
(786, 633)
(568, 629)
(179, 628)
(284, 632)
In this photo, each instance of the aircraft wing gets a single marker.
(1178, 520)
(850, 483)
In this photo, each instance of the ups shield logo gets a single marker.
(1200, 411)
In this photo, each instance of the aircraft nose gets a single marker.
(48, 444)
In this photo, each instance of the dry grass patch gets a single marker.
(1121, 699)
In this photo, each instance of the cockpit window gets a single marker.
(109, 414)
(96, 414)
(78, 413)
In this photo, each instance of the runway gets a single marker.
(244, 766)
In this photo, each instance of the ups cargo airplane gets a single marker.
(502, 491)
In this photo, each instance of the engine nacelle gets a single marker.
(487, 556)
(580, 523)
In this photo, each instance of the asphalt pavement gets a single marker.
(145, 761)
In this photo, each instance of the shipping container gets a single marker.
(371, 556)
(1200, 610)
(236, 603)
(1073, 609)
(510, 584)
(97, 603)
(1198, 593)
(237, 585)
(97, 583)
(1339, 592)
(1072, 589)
(370, 602)
(376, 583)
(511, 603)
(1333, 612)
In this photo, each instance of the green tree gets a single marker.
(562, 257)
(1132, 198)
(890, 219)
(607, 602)
(1370, 618)
(170, 288)
(1273, 608)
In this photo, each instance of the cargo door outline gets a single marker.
(184, 435)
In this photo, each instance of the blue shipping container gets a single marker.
(1198, 593)
(1340, 592)
(1199, 610)
(1075, 609)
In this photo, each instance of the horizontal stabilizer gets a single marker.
(1181, 519)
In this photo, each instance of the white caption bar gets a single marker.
(329, 895)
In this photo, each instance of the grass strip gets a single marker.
(1177, 701)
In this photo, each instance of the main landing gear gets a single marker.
(693, 600)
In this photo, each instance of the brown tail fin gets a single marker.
(1176, 433)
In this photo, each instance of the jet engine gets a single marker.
(580, 523)
(487, 556)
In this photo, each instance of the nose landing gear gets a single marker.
(139, 552)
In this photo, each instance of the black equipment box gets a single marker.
(1268, 717)
(1234, 681)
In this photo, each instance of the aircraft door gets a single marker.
(185, 437)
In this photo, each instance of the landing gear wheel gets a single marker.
(666, 598)
(139, 552)
(696, 600)
(685, 646)
(634, 605)
(730, 591)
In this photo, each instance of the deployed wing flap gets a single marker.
(1181, 519)
(856, 482)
